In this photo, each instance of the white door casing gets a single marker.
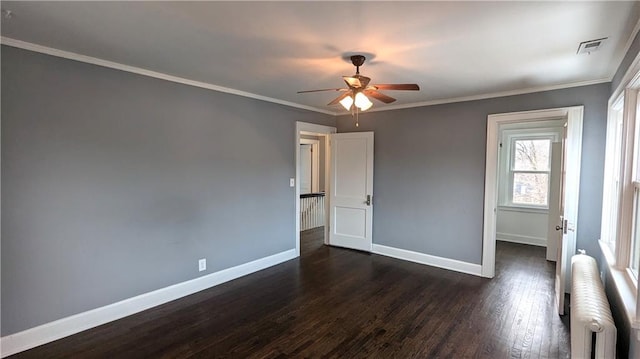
(351, 190)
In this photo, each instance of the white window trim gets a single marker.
(610, 213)
(636, 206)
(625, 283)
(551, 130)
(512, 171)
(625, 210)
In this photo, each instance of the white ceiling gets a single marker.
(274, 49)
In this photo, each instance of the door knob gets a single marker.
(368, 202)
(558, 228)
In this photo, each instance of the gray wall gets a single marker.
(429, 168)
(626, 62)
(115, 184)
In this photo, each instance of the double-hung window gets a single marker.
(633, 115)
(624, 183)
(612, 180)
(620, 228)
(529, 171)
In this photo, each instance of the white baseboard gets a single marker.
(417, 257)
(64, 327)
(516, 238)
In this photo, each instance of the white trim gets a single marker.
(626, 199)
(30, 338)
(427, 259)
(574, 116)
(158, 75)
(486, 96)
(522, 209)
(516, 238)
(140, 71)
(312, 129)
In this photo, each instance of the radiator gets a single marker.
(590, 312)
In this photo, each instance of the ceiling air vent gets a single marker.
(587, 47)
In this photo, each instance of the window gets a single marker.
(634, 245)
(530, 172)
(635, 239)
(620, 236)
(612, 180)
(621, 194)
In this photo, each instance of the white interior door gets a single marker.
(554, 236)
(351, 190)
(572, 149)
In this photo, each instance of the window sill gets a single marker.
(523, 209)
(624, 285)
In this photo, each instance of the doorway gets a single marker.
(529, 169)
(570, 189)
(312, 183)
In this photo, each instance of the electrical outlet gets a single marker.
(202, 264)
(292, 182)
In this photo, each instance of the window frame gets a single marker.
(618, 255)
(612, 184)
(626, 195)
(512, 172)
(549, 129)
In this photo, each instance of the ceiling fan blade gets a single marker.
(406, 87)
(340, 89)
(339, 98)
(379, 96)
(352, 81)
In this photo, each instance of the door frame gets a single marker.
(318, 130)
(574, 115)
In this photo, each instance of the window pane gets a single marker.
(531, 155)
(530, 188)
(635, 245)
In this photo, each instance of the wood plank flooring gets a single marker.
(338, 303)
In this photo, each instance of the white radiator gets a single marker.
(590, 312)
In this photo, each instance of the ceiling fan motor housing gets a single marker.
(357, 60)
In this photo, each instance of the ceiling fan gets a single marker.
(355, 97)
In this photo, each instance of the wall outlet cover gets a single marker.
(202, 264)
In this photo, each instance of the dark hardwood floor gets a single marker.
(338, 303)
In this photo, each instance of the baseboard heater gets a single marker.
(590, 312)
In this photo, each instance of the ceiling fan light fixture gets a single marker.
(362, 102)
(347, 102)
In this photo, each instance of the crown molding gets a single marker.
(158, 75)
(628, 44)
(488, 95)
